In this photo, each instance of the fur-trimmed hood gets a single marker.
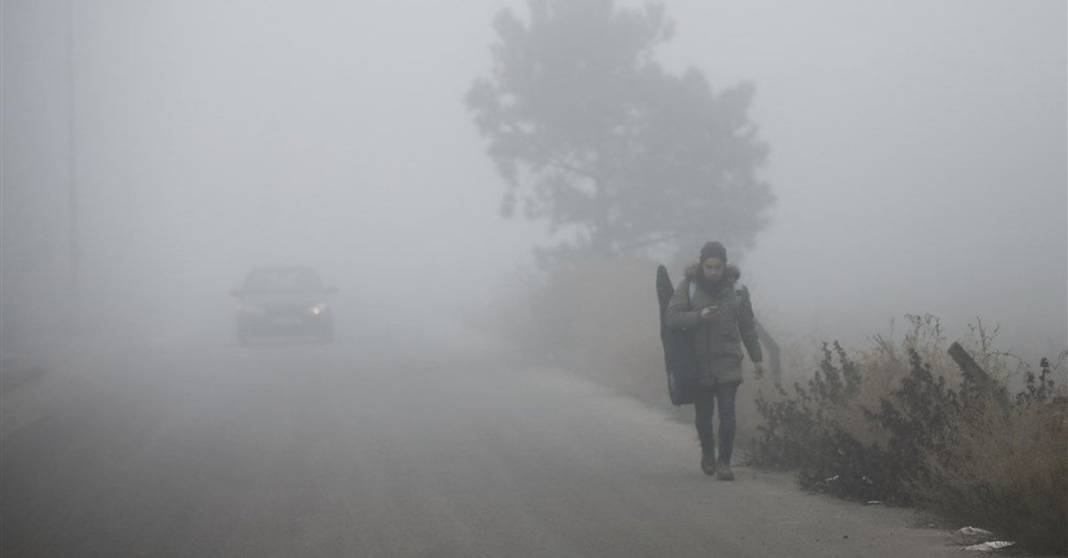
(731, 274)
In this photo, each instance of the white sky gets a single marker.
(918, 148)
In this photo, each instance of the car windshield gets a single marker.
(283, 280)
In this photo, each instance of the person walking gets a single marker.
(719, 316)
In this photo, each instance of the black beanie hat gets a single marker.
(713, 250)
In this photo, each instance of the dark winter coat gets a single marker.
(718, 341)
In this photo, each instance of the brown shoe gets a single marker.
(723, 472)
(708, 465)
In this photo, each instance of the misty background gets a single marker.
(918, 156)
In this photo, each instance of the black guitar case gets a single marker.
(679, 360)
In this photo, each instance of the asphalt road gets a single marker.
(366, 450)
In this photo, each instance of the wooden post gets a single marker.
(774, 356)
(975, 375)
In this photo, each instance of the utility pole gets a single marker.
(74, 254)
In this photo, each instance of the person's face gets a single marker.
(712, 268)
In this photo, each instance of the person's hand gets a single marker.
(707, 312)
(758, 370)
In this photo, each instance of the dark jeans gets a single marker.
(704, 407)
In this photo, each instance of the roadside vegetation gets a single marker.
(903, 424)
(897, 422)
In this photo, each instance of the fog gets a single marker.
(213, 138)
(918, 157)
(458, 392)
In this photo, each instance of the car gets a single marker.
(283, 301)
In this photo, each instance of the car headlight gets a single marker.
(317, 310)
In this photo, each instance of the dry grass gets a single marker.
(597, 318)
(914, 431)
(1006, 471)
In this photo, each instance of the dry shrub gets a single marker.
(886, 423)
(902, 424)
(1006, 469)
(598, 318)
